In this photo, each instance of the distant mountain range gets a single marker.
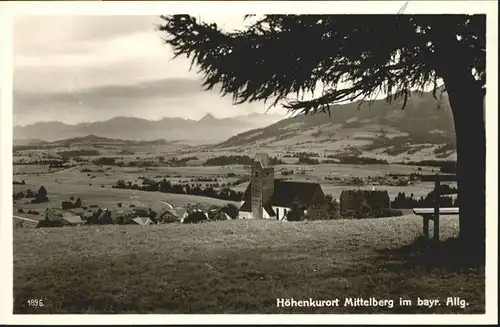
(423, 130)
(206, 130)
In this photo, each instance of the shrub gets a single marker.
(350, 214)
(307, 161)
(296, 212)
(66, 205)
(195, 217)
(30, 194)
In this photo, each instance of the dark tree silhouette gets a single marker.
(355, 58)
(296, 212)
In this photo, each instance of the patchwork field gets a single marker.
(240, 266)
(94, 184)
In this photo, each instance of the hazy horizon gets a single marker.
(275, 114)
(75, 69)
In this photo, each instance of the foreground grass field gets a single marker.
(239, 267)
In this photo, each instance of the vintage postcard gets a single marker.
(257, 162)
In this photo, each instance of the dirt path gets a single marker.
(27, 219)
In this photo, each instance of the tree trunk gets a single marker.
(466, 100)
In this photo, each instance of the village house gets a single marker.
(270, 198)
(169, 216)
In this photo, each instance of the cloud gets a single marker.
(169, 97)
(46, 32)
(86, 68)
(103, 95)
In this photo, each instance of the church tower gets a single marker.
(262, 181)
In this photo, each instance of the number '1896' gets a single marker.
(35, 303)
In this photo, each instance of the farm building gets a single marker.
(363, 201)
(168, 216)
(50, 222)
(270, 198)
(55, 217)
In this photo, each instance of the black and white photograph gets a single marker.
(252, 162)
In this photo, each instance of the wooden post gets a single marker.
(437, 196)
(426, 225)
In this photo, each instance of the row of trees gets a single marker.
(403, 201)
(40, 162)
(166, 186)
(237, 160)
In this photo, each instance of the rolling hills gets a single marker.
(423, 130)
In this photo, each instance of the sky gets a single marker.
(77, 69)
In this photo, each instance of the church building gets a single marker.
(270, 198)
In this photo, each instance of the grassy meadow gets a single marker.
(240, 266)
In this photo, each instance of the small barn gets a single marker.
(168, 216)
(362, 202)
